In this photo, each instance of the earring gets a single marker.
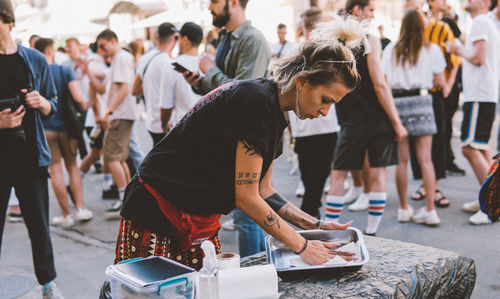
(297, 103)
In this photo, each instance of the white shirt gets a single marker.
(143, 61)
(151, 83)
(419, 76)
(310, 127)
(495, 19)
(480, 83)
(275, 48)
(122, 71)
(97, 66)
(175, 91)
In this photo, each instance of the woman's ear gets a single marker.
(299, 83)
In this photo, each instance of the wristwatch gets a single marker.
(109, 112)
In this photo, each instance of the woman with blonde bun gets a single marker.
(220, 157)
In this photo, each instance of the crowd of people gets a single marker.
(353, 103)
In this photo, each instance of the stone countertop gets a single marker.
(395, 270)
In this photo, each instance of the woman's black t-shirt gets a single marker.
(193, 167)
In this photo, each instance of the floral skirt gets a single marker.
(134, 241)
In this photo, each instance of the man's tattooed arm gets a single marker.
(272, 219)
(296, 216)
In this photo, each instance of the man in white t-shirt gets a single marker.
(480, 93)
(120, 114)
(151, 79)
(176, 95)
(282, 45)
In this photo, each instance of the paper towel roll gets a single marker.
(249, 282)
(228, 260)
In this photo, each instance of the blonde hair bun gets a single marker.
(349, 32)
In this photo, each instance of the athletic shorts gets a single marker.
(476, 124)
(117, 140)
(376, 139)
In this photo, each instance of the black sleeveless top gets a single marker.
(361, 106)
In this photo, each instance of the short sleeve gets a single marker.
(386, 58)
(167, 88)
(479, 30)
(69, 75)
(123, 68)
(252, 122)
(438, 62)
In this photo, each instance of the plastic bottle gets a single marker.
(208, 286)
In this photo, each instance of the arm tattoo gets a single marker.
(272, 219)
(250, 149)
(290, 213)
(276, 201)
(247, 178)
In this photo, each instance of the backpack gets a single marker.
(489, 195)
(72, 115)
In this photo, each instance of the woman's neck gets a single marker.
(287, 100)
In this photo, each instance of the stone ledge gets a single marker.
(395, 270)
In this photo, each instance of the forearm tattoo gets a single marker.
(272, 219)
(276, 201)
(291, 214)
(247, 178)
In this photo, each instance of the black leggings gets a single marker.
(439, 150)
(315, 155)
(32, 191)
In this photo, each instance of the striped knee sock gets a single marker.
(375, 210)
(334, 206)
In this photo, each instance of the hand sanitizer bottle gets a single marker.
(208, 287)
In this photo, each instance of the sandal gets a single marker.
(441, 201)
(418, 195)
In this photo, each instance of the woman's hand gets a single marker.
(319, 252)
(332, 225)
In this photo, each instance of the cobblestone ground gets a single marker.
(83, 252)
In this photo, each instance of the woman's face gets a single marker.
(317, 100)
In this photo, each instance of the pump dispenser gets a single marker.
(208, 287)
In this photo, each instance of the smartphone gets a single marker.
(182, 69)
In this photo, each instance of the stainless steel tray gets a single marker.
(280, 256)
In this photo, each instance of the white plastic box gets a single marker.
(152, 277)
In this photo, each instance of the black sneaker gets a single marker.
(111, 193)
(14, 217)
(98, 167)
(454, 170)
(114, 211)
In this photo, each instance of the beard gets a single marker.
(221, 20)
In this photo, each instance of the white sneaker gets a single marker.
(351, 195)
(479, 218)
(360, 204)
(52, 292)
(405, 215)
(299, 192)
(228, 225)
(471, 207)
(114, 211)
(84, 214)
(62, 221)
(429, 218)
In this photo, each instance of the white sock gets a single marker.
(334, 206)
(108, 181)
(121, 193)
(376, 208)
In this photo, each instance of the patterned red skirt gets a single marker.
(134, 241)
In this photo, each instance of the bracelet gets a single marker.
(318, 223)
(303, 248)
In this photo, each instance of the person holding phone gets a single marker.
(220, 156)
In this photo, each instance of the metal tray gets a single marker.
(280, 256)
